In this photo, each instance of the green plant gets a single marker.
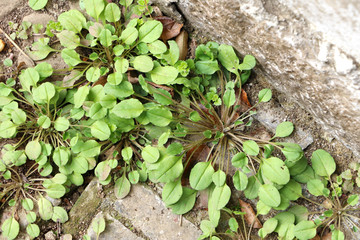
(37, 4)
(131, 110)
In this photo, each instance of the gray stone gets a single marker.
(6, 6)
(309, 51)
(270, 116)
(114, 230)
(140, 215)
(151, 216)
(38, 18)
(50, 235)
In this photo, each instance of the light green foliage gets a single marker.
(37, 4)
(128, 96)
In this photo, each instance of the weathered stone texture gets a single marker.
(308, 50)
(142, 212)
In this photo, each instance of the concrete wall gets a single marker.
(310, 50)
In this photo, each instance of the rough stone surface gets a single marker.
(140, 215)
(6, 6)
(308, 51)
(114, 230)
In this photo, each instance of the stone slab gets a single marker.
(141, 215)
(6, 6)
(307, 51)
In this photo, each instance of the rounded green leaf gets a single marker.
(240, 180)
(219, 178)
(251, 148)
(69, 39)
(269, 195)
(45, 208)
(31, 217)
(55, 190)
(93, 74)
(172, 192)
(269, 226)
(61, 156)
(164, 75)
(134, 177)
(129, 108)
(239, 160)
(79, 164)
(115, 78)
(98, 225)
(80, 96)
(220, 197)
(37, 4)
(201, 175)
(112, 13)
(18, 116)
(265, 95)
(186, 202)
(105, 37)
(337, 235)
(33, 230)
(44, 69)
(100, 130)
(143, 63)
(275, 170)
(129, 35)
(292, 190)
(10, 228)
(122, 187)
(160, 117)
(252, 188)
(323, 163)
(59, 215)
(94, 7)
(33, 150)
(27, 204)
(248, 63)
(44, 121)
(228, 58)
(353, 200)
(150, 31)
(284, 129)
(7, 129)
(150, 154)
(305, 230)
(61, 124)
(97, 112)
(166, 169)
(127, 153)
(71, 57)
(315, 187)
(157, 47)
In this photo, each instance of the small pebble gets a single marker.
(2, 45)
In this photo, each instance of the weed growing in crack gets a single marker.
(131, 110)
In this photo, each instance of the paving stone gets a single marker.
(6, 6)
(114, 230)
(147, 212)
(142, 211)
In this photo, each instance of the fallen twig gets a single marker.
(21, 51)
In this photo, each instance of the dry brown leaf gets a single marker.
(182, 42)
(102, 81)
(326, 236)
(133, 76)
(171, 28)
(244, 98)
(250, 216)
(317, 237)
